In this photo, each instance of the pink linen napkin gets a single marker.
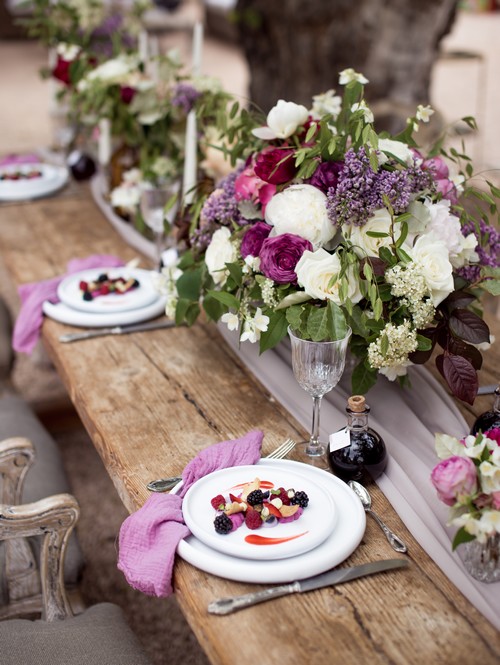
(13, 159)
(29, 321)
(149, 537)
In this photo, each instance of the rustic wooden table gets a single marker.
(151, 401)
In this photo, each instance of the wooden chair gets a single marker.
(97, 636)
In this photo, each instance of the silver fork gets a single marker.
(165, 484)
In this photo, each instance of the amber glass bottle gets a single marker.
(366, 455)
(489, 419)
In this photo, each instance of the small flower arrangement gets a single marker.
(468, 480)
(323, 223)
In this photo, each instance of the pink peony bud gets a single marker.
(454, 477)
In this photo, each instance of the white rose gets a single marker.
(301, 210)
(420, 218)
(220, 251)
(447, 228)
(126, 197)
(364, 244)
(282, 121)
(317, 273)
(397, 148)
(113, 70)
(431, 256)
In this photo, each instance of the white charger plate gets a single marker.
(51, 179)
(73, 317)
(145, 294)
(307, 532)
(342, 541)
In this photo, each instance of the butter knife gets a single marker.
(331, 577)
(116, 330)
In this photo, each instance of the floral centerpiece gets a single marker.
(468, 480)
(323, 223)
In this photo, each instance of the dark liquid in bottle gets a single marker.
(486, 421)
(366, 455)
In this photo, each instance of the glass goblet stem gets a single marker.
(158, 248)
(314, 447)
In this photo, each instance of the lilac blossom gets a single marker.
(360, 189)
(185, 96)
(488, 249)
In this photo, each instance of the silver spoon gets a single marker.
(365, 498)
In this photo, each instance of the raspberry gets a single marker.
(301, 499)
(285, 499)
(218, 501)
(223, 524)
(255, 497)
(253, 519)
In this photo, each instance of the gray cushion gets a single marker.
(99, 636)
(46, 476)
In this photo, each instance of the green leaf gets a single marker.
(213, 308)
(384, 345)
(377, 234)
(424, 343)
(317, 324)
(378, 308)
(337, 324)
(276, 330)
(180, 311)
(311, 132)
(236, 273)
(192, 313)
(461, 536)
(294, 316)
(189, 285)
(226, 299)
(363, 378)
(492, 286)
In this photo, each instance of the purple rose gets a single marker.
(453, 477)
(253, 239)
(275, 166)
(326, 175)
(280, 255)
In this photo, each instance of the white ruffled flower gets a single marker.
(365, 245)
(111, 71)
(490, 477)
(127, 197)
(283, 120)
(396, 148)
(68, 52)
(318, 274)
(220, 251)
(431, 256)
(362, 106)
(446, 227)
(348, 75)
(301, 210)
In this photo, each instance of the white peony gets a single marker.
(365, 245)
(282, 121)
(220, 251)
(431, 256)
(301, 210)
(397, 148)
(326, 103)
(317, 273)
(448, 229)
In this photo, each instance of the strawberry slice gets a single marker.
(273, 510)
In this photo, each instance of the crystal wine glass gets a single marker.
(318, 367)
(153, 203)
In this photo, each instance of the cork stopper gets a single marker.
(356, 403)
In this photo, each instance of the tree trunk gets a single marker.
(296, 49)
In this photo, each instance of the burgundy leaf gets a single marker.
(460, 376)
(469, 327)
(377, 265)
(460, 348)
(458, 299)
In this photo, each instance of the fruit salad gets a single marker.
(105, 285)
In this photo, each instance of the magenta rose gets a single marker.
(127, 94)
(61, 71)
(253, 239)
(275, 166)
(279, 256)
(453, 477)
(326, 175)
(493, 434)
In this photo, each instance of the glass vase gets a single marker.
(482, 560)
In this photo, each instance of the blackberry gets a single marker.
(301, 499)
(255, 497)
(88, 296)
(223, 524)
(103, 277)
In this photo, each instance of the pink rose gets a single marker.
(448, 190)
(249, 187)
(496, 500)
(454, 477)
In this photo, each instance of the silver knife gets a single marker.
(488, 390)
(338, 576)
(117, 330)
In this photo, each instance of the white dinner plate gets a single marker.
(342, 541)
(73, 317)
(145, 294)
(51, 179)
(278, 542)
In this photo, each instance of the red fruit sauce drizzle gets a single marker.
(254, 539)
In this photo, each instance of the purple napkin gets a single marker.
(29, 321)
(149, 537)
(11, 160)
